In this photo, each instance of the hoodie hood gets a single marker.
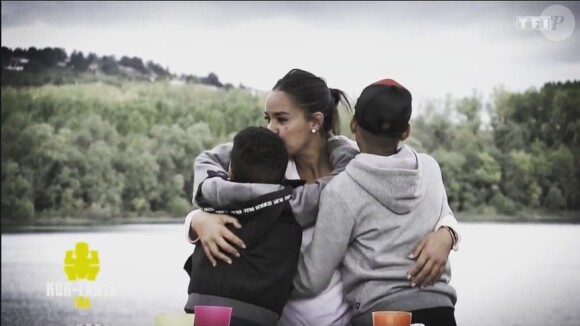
(395, 181)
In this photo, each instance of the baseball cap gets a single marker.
(384, 108)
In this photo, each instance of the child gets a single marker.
(372, 215)
(258, 283)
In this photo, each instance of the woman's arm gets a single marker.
(208, 228)
(190, 235)
(431, 254)
(211, 231)
(216, 159)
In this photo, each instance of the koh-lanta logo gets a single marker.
(556, 23)
(81, 267)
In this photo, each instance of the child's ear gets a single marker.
(353, 126)
(407, 132)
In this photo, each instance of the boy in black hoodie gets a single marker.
(258, 283)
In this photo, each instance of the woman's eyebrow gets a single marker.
(281, 113)
(277, 113)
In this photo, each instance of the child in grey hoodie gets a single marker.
(372, 215)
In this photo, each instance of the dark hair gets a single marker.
(384, 109)
(258, 156)
(313, 95)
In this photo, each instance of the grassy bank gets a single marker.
(525, 216)
(59, 224)
(83, 224)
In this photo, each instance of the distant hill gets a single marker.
(35, 67)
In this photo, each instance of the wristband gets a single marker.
(453, 237)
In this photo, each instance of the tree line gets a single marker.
(52, 65)
(526, 155)
(98, 150)
(101, 151)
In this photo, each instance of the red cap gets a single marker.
(388, 82)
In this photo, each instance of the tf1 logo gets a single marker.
(539, 23)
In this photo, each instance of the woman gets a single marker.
(303, 111)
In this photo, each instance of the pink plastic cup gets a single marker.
(212, 315)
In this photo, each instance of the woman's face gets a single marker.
(289, 122)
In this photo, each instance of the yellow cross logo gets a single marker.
(80, 263)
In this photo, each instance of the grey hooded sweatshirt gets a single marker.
(370, 218)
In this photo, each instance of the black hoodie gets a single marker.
(263, 273)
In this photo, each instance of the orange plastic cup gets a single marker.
(391, 318)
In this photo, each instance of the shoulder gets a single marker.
(337, 141)
(338, 185)
(219, 152)
(428, 159)
(430, 165)
(225, 147)
(342, 140)
(341, 150)
(424, 158)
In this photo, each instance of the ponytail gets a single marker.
(333, 123)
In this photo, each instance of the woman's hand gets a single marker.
(214, 235)
(431, 254)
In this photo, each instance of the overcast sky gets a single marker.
(433, 48)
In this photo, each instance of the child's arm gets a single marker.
(304, 202)
(331, 238)
(305, 199)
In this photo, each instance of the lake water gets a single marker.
(505, 274)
